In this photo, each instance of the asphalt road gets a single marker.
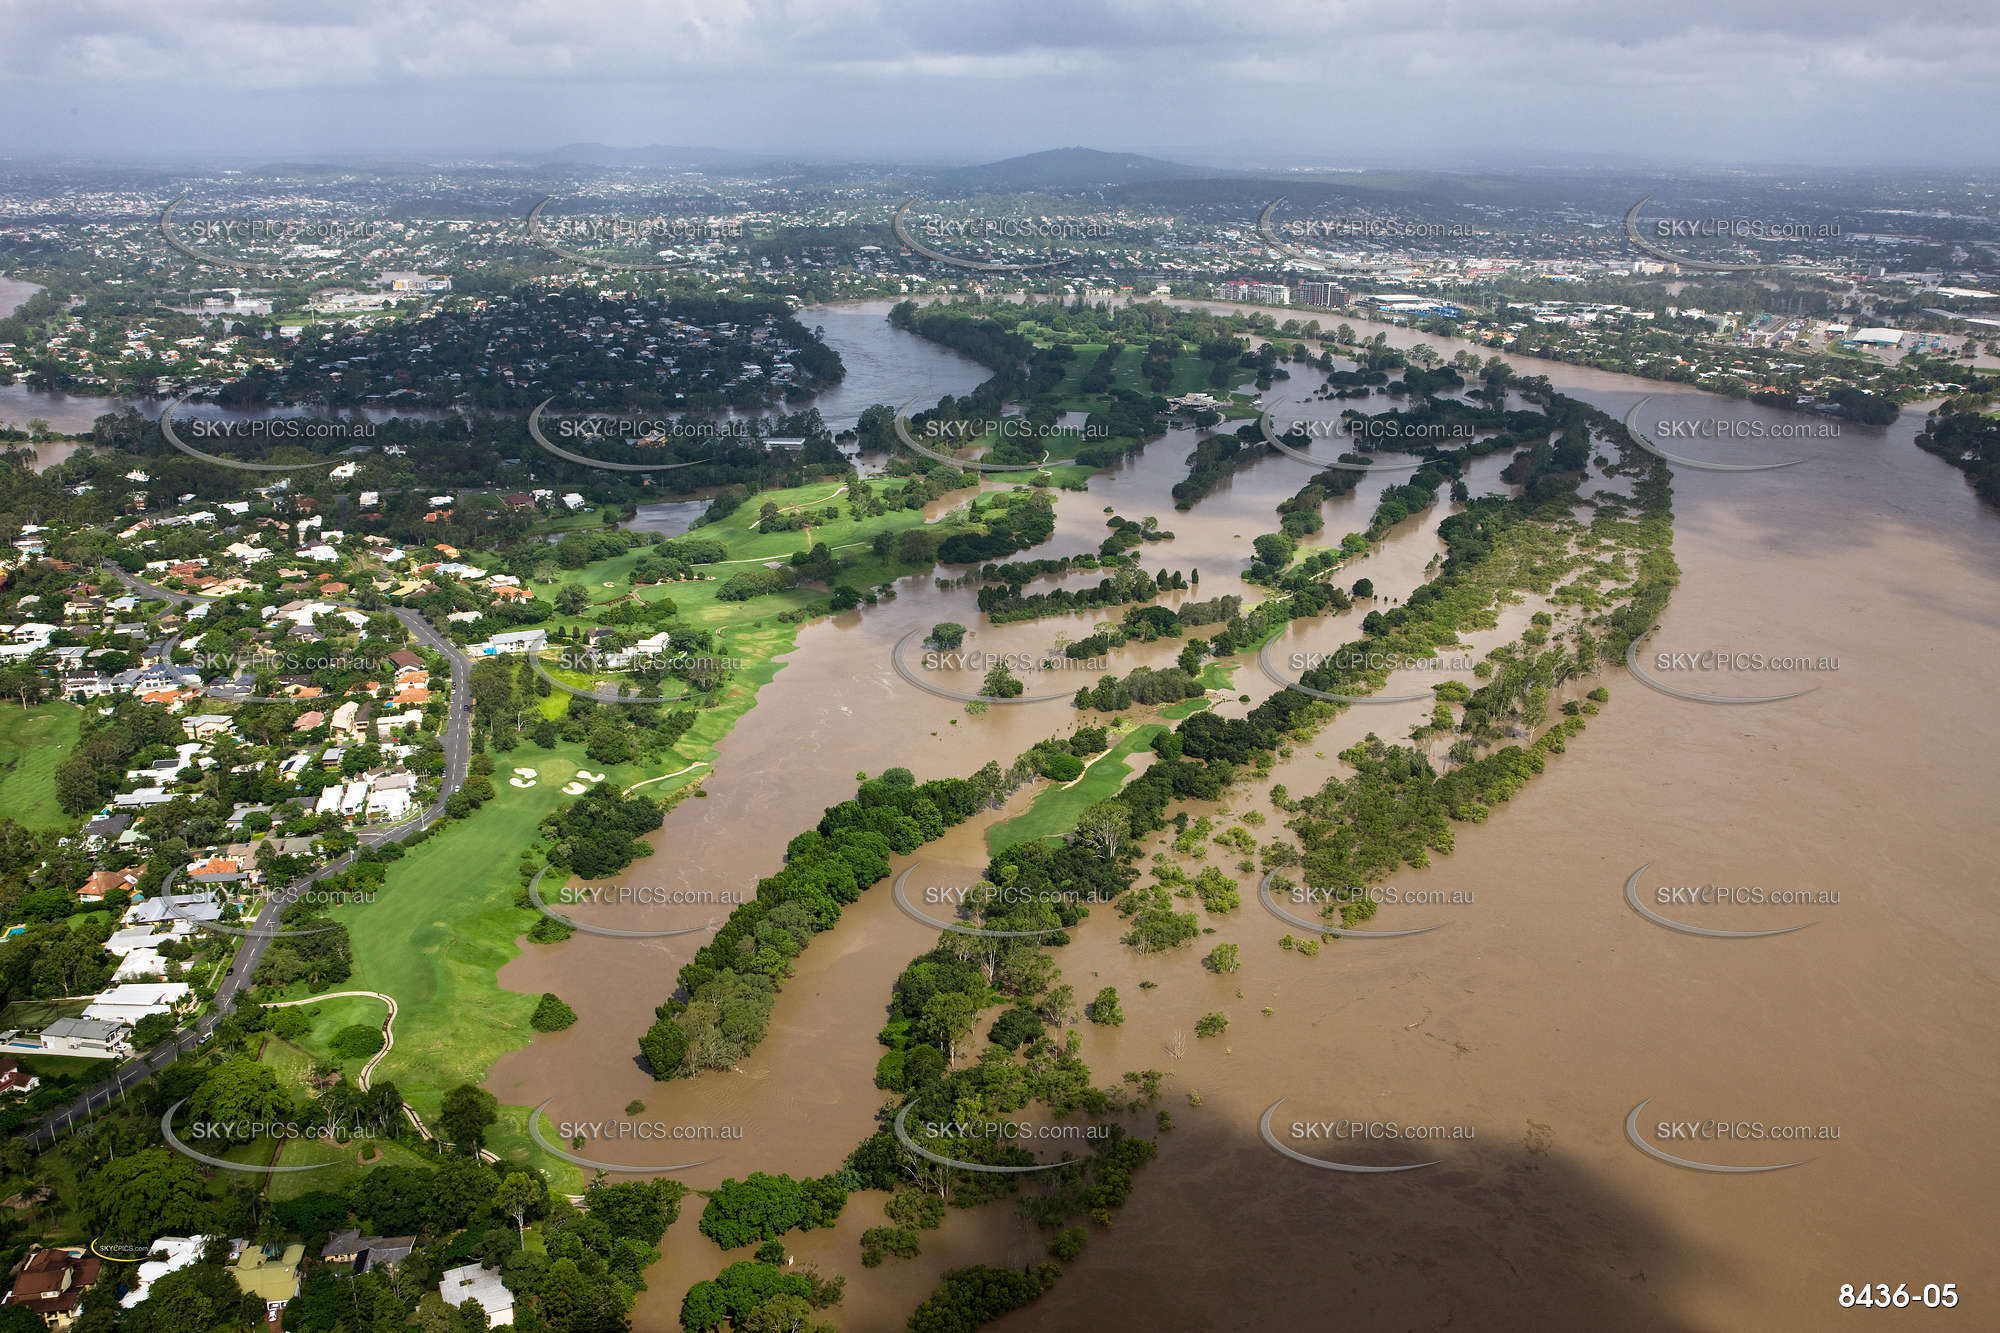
(457, 758)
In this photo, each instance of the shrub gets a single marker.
(756, 583)
(1057, 766)
(1015, 1028)
(1211, 1025)
(1000, 683)
(551, 1015)
(1217, 891)
(890, 1242)
(548, 930)
(918, 1209)
(1157, 929)
(357, 1041)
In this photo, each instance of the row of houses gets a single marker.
(51, 1282)
(382, 795)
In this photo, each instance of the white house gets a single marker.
(473, 1282)
(355, 799)
(205, 725)
(88, 1038)
(390, 797)
(140, 963)
(385, 725)
(134, 1000)
(514, 641)
(178, 1252)
(138, 939)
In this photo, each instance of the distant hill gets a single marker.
(1069, 169)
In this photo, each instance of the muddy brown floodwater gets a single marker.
(1543, 1013)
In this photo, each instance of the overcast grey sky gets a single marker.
(1854, 82)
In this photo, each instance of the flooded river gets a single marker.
(1543, 1013)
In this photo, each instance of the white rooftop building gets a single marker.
(514, 641)
(134, 1000)
(178, 1252)
(473, 1282)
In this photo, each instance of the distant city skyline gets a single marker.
(1288, 83)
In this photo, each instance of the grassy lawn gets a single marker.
(335, 1179)
(1190, 374)
(330, 1016)
(32, 743)
(77, 1069)
(446, 921)
(1187, 707)
(1214, 676)
(1055, 810)
(293, 1063)
(510, 1139)
(748, 542)
(289, 1063)
(1067, 475)
(442, 926)
(610, 580)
